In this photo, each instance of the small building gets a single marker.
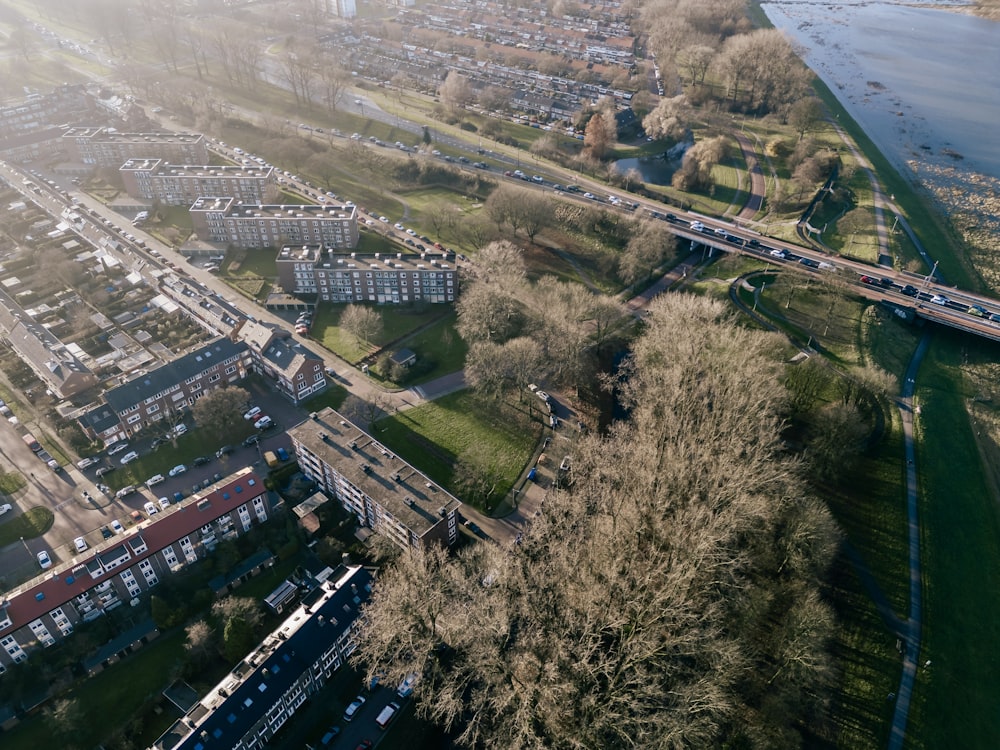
(403, 358)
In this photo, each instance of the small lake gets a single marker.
(655, 171)
(922, 81)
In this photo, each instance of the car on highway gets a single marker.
(44, 561)
(537, 178)
(129, 458)
(177, 470)
(779, 253)
(697, 226)
(80, 544)
(352, 710)
(909, 291)
(117, 448)
(939, 299)
(978, 311)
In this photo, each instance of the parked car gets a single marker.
(177, 470)
(263, 422)
(129, 458)
(5, 508)
(106, 532)
(117, 448)
(150, 507)
(44, 561)
(80, 543)
(86, 463)
(164, 503)
(282, 454)
(224, 451)
(128, 489)
(252, 440)
(353, 709)
(105, 470)
(201, 460)
(155, 480)
(253, 413)
(117, 527)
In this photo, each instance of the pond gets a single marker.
(654, 170)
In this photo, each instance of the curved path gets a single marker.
(755, 200)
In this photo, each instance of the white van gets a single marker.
(387, 715)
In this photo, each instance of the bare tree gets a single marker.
(363, 322)
(713, 598)
(646, 249)
(669, 119)
(455, 92)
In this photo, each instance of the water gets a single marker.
(922, 82)
(654, 171)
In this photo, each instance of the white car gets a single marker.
(263, 422)
(938, 299)
(155, 480)
(252, 414)
(398, 226)
(80, 543)
(117, 527)
(117, 448)
(164, 503)
(150, 507)
(86, 463)
(180, 429)
(6, 507)
(177, 470)
(44, 560)
(129, 458)
(697, 226)
(353, 709)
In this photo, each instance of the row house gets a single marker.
(166, 391)
(383, 278)
(182, 184)
(226, 220)
(383, 491)
(296, 371)
(214, 313)
(250, 705)
(124, 568)
(106, 147)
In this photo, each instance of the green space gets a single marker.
(11, 482)
(31, 524)
(437, 435)
(397, 322)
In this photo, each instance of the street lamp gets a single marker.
(361, 104)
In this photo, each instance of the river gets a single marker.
(922, 81)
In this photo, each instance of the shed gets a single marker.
(403, 358)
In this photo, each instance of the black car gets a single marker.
(201, 461)
(909, 291)
(106, 532)
(224, 451)
(252, 440)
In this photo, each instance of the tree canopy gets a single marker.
(666, 599)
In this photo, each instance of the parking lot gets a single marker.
(85, 515)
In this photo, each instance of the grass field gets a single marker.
(31, 524)
(441, 345)
(396, 322)
(434, 436)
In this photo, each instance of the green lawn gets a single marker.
(397, 321)
(31, 524)
(442, 345)
(434, 436)
(955, 699)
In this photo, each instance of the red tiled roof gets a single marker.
(61, 585)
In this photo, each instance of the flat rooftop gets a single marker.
(99, 134)
(165, 168)
(390, 481)
(252, 211)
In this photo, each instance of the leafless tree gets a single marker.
(363, 322)
(646, 249)
(455, 92)
(652, 601)
(669, 119)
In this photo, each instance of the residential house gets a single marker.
(297, 371)
(386, 493)
(167, 390)
(126, 566)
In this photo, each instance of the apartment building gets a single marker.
(313, 271)
(385, 493)
(226, 220)
(106, 147)
(182, 184)
(296, 371)
(164, 392)
(39, 111)
(126, 566)
(248, 707)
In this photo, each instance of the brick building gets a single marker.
(106, 147)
